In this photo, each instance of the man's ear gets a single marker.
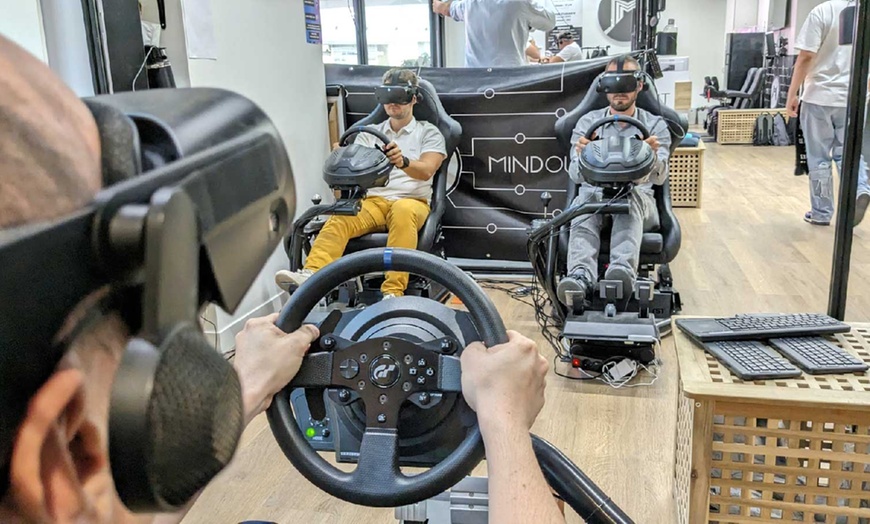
(57, 450)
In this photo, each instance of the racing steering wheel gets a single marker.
(379, 371)
(637, 124)
(371, 130)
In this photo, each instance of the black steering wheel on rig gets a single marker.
(621, 119)
(371, 130)
(617, 161)
(378, 370)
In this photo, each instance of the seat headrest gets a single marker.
(119, 142)
(648, 100)
(428, 109)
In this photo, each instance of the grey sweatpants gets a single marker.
(625, 238)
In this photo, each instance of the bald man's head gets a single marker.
(49, 143)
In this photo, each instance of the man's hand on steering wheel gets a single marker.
(583, 142)
(504, 384)
(653, 142)
(394, 153)
(267, 359)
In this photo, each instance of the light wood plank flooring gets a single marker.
(746, 249)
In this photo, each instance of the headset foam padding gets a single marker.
(119, 142)
(196, 416)
(175, 420)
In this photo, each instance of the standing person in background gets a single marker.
(823, 67)
(496, 31)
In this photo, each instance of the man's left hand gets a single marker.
(267, 359)
(441, 8)
(653, 142)
(394, 154)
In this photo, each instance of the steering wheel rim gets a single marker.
(637, 124)
(382, 484)
(342, 142)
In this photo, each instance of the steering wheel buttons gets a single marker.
(421, 363)
(412, 371)
(349, 369)
(430, 372)
(363, 358)
(409, 359)
(406, 386)
(421, 380)
(382, 418)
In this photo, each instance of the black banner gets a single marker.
(509, 153)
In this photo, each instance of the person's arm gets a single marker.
(266, 360)
(533, 51)
(454, 9)
(578, 141)
(505, 386)
(660, 140)
(433, 152)
(801, 68)
(540, 18)
(808, 42)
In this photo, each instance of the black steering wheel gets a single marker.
(637, 124)
(379, 371)
(342, 142)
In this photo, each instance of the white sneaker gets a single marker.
(388, 296)
(287, 279)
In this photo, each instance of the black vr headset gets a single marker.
(395, 92)
(198, 194)
(621, 81)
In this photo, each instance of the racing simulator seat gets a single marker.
(619, 322)
(305, 229)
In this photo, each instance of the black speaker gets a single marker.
(743, 51)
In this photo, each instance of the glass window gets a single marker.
(398, 32)
(339, 32)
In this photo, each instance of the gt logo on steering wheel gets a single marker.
(385, 371)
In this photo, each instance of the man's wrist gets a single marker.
(497, 422)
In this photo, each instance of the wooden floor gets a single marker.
(746, 249)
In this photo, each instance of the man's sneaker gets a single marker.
(287, 280)
(808, 218)
(571, 289)
(624, 275)
(861, 207)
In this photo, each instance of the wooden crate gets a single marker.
(795, 450)
(686, 168)
(736, 125)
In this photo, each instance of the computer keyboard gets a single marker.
(751, 360)
(761, 327)
(772, 322)
(817, 356)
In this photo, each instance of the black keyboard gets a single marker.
(761, 327)
(817, 356)
(751, 360)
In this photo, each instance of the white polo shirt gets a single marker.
(414, 139)
(827, 82)
(570, 52)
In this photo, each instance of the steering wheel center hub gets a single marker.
(385, 371)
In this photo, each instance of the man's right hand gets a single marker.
(505, 384)
(582, 143)
(792, 106)
(441, 8)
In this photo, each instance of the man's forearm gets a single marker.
(419, 170)
(801, 69)
(518, 493)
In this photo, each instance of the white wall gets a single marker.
(701, 37)
(21, 22)
(454, 43)
(67, 44)
(262, 54)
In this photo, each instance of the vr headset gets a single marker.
(620, 81)
(198, 193)
(395, 93)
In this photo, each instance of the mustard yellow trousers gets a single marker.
(401, 219)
